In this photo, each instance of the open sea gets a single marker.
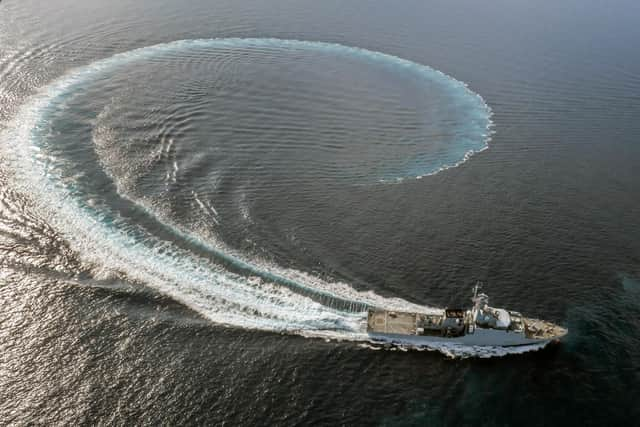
(199, 200)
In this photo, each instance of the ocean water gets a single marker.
(198, 202)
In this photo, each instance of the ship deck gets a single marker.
(405, 323)
(541, 329)
(390, 322)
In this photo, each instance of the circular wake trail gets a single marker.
(223, 287)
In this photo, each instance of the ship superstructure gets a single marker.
(482, 325)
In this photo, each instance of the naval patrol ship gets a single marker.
(481, 325)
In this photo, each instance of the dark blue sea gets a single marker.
(200, 199)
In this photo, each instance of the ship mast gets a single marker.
(478, 300)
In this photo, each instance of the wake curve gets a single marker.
(230, 291)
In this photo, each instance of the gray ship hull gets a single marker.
(481, 337)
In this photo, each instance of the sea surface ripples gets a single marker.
(181, 186)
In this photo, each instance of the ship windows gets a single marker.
(454, 313)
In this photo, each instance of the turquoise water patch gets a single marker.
(630, 285)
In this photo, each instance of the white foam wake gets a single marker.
(238, 300)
